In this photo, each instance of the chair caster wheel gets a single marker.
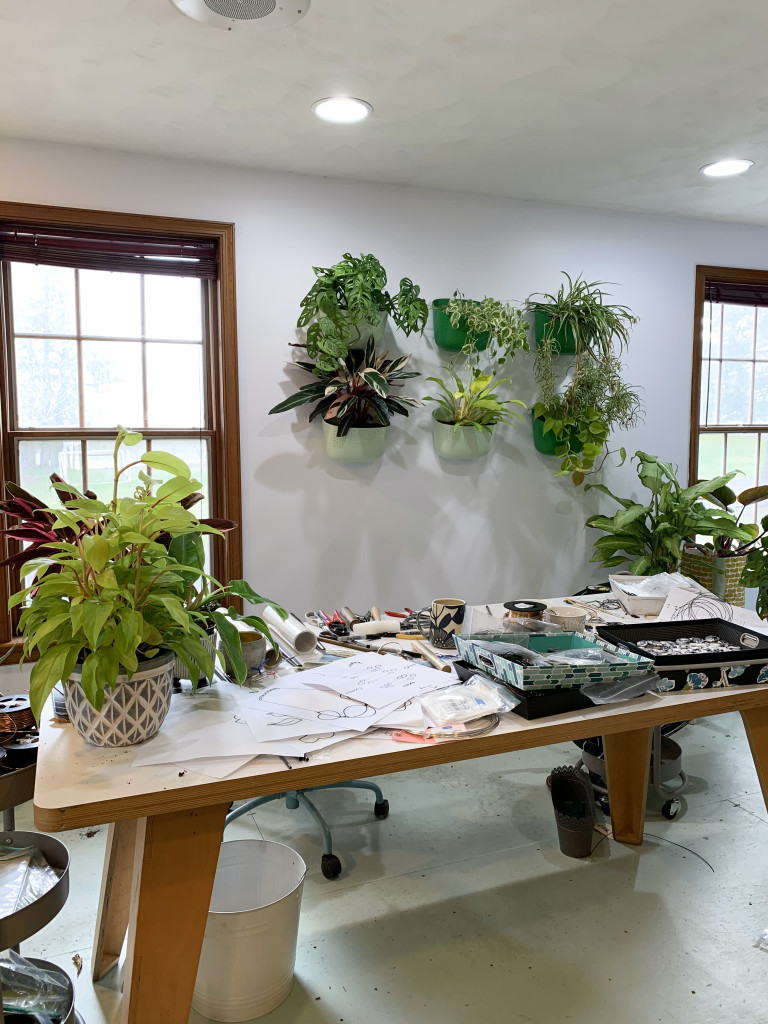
(671, 809)
(330, 865)
(381, 810)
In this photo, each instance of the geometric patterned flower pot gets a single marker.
(133, 710)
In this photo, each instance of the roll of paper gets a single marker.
(292, 631)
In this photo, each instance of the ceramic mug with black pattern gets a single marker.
(445, 620)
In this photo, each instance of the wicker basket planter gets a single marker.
(133, 709)
(720, 575)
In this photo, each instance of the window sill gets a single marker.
(16, 649)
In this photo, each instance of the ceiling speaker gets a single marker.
(229, 14)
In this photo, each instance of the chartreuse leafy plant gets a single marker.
(358, 392)
(651, 536)
(475, 404)
(127, 584)
(348, 297)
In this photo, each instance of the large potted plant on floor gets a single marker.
(469, 326)
(356, 400)
(573, 421)
(718, 563)
(118, 591)
(349, 303)
(650, 536)
(464, 422)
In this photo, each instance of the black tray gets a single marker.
(747, 666)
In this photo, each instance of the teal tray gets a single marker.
(558, 677)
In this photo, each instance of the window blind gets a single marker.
(736, 293)
(105, 250)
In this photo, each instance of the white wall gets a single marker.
(409, 529)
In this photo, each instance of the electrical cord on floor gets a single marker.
(651, 835)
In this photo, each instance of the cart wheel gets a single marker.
(671, 809)
(381, 810)
(330, 865)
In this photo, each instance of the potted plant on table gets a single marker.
(118, 591)
(468, 326)
(651, 536)
(574, 423)
(356, 400)
(348, 304)
(719, 563)
(465, 419)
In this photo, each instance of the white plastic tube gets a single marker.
(295, 633)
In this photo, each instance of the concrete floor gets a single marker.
(460, 908)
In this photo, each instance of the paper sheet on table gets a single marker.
(380, 680)
(305, 745)
(208, 725)
(215, 767)
(682, 605)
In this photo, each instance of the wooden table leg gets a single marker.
(115, 898)
(176, 857)
(627, 762)
(756, 726)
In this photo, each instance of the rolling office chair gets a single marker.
(330, 864)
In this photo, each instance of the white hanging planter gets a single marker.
(133, 709)
(466, 442)
(360, 444)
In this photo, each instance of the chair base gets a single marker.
(330, 865)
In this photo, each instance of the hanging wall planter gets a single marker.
(462, 442)
(133, 709)
(448, 337)
(359, 444)
(547, 443)
(562, 334)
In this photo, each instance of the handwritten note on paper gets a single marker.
(381, 681)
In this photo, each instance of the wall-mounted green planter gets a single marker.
(562, 335)
(449, 338)
(460, 442)
(546, 443)
(361, 444)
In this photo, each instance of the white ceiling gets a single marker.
(596, 102)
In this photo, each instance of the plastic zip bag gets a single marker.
(31, 990)
(513, 652)
(25, 876)
(465, 702)
(585, 656)
(622, 689)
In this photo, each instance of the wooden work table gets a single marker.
(167, 823)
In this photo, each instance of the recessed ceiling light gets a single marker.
(341, 109)
(726, 168)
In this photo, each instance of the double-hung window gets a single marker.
(116, 319)
(729, 408)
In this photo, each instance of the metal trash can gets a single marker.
(249, 950)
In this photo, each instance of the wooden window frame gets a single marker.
(725, 275)
(221, 378)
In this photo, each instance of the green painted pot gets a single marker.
(546, 443)
(563, 335)
(361, 444)
(449, 338)
(460, 442)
